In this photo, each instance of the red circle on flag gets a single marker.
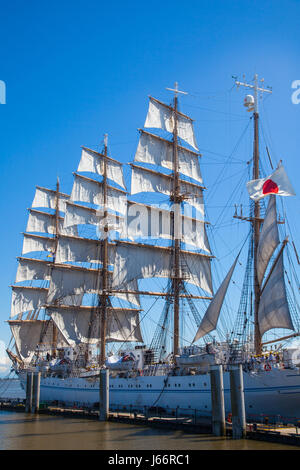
(270, 186)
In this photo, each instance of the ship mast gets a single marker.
(55, 331)
(176, 198)
(104, 295)
(256, 221)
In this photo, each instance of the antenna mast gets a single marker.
(256, 221)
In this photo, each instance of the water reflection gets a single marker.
(19, 431)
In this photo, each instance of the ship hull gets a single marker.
(272, 393)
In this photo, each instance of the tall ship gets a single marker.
(96, 264)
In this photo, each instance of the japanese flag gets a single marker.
(277, 183)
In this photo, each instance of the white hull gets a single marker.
(273, 393)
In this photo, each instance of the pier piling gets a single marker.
(29, 387)
(104, 395)
(36, 392)
(237, 402)
(217, 400)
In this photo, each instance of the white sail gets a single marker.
(91, 191)
(145, 221)
(94, 162)
(85, 250)
(78, 215)
(67, 280)
(273, 306)
(47, 198)
(154, 261)
(123, 325)
(148, 263)
(157, 151)
(268, 240)
(40, 222)
(196, 269)
(162, 116)
(144, 180)
(34, 243)
(78, 250)
(62, 230)
(194, 233)
(131, 297)
(29, 269)
(82, 325)
(211, 317)
(25, 298)
(29, 335)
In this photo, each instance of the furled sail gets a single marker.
(273, 306)
(82, 325)
(93, 162)
(210, 319)
(268, 240)
(161, 116)
(157, 151)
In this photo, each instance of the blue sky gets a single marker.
(76, 70)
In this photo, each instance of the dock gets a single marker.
(280, 433)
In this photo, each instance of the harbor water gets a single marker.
(21, 431)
